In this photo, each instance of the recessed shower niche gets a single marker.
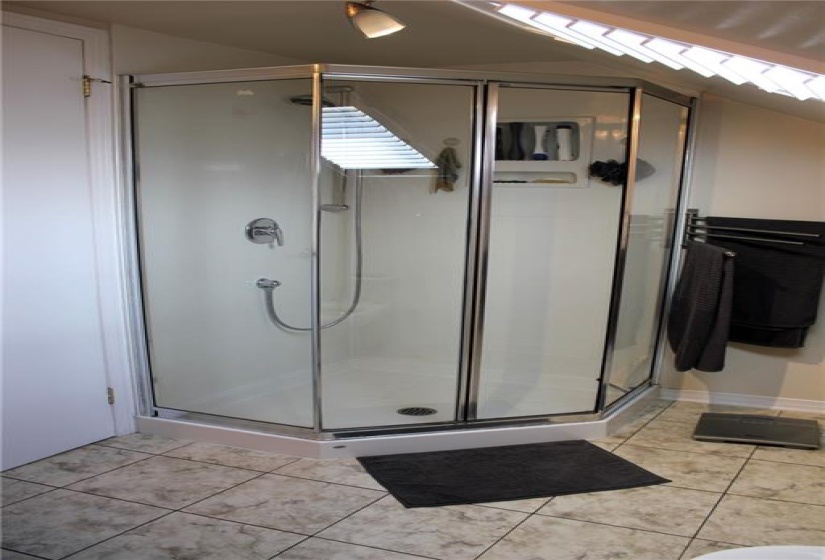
(410, 271)
(542, 152)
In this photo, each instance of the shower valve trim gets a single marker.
(264, 230)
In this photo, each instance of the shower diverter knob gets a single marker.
(264, 230)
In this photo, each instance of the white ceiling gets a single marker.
(443, 33)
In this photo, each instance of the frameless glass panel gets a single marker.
(393, 244)
(661, 149)
(553, 237)
(212, 160)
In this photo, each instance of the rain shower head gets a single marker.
(306, 100)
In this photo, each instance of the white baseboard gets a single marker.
(736, 399)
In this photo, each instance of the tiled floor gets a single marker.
(145, 497)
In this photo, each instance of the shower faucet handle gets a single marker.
(267, 284)
(264, 230)
(279, 234)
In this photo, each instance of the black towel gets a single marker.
(700, 311)
(776, 287)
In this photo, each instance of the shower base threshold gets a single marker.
(386, 444)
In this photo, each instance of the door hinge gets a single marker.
(110, 395)
(87, 84)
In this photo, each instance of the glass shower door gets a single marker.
(393, 250)
(662, 136)
(552, 246)
(212, 159)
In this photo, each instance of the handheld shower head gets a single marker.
(334, 207)
(306, 99)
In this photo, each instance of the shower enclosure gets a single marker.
(337, 252)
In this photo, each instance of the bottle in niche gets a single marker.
(501, 147)
(539, 133)
(564, 142)
(515, 152)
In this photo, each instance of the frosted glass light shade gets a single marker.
(370, 21)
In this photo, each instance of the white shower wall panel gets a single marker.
(417, 240)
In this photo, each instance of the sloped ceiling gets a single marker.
(792, 27)
(443, 33)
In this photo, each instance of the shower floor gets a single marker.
(369, 392)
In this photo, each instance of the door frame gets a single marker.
(107, 210)
(475, 273)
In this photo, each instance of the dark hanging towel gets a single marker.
(776, 286)
(700, 310)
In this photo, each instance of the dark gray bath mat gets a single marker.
(495, 474)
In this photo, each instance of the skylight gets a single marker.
(351, 139)
(707, 62)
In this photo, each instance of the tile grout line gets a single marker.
(65, 486)
(644, 424)
(242, 523)
(640, 428)
(49, 491)
(167, 514)
(210, 496)
(327, 481)
(602, 523)
(25, 554)
(180, 509)
(776, 500)
(411, 554)
(536, 512)
(682, 557)
(362, 508)
(173, 511)
(516, 526)
(302, 541)
(308, 535)
(632, 444)
(102, 443)
(214, 464)
(722, 496)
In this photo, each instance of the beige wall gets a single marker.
(136, 51)
(751, 162)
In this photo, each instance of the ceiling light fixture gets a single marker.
(370, 21)
(773, 78)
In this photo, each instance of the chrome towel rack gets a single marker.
(696, 229)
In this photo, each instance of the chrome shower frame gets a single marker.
(467, 430)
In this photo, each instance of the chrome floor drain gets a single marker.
(416, 411)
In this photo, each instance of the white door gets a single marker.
(54, 365)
